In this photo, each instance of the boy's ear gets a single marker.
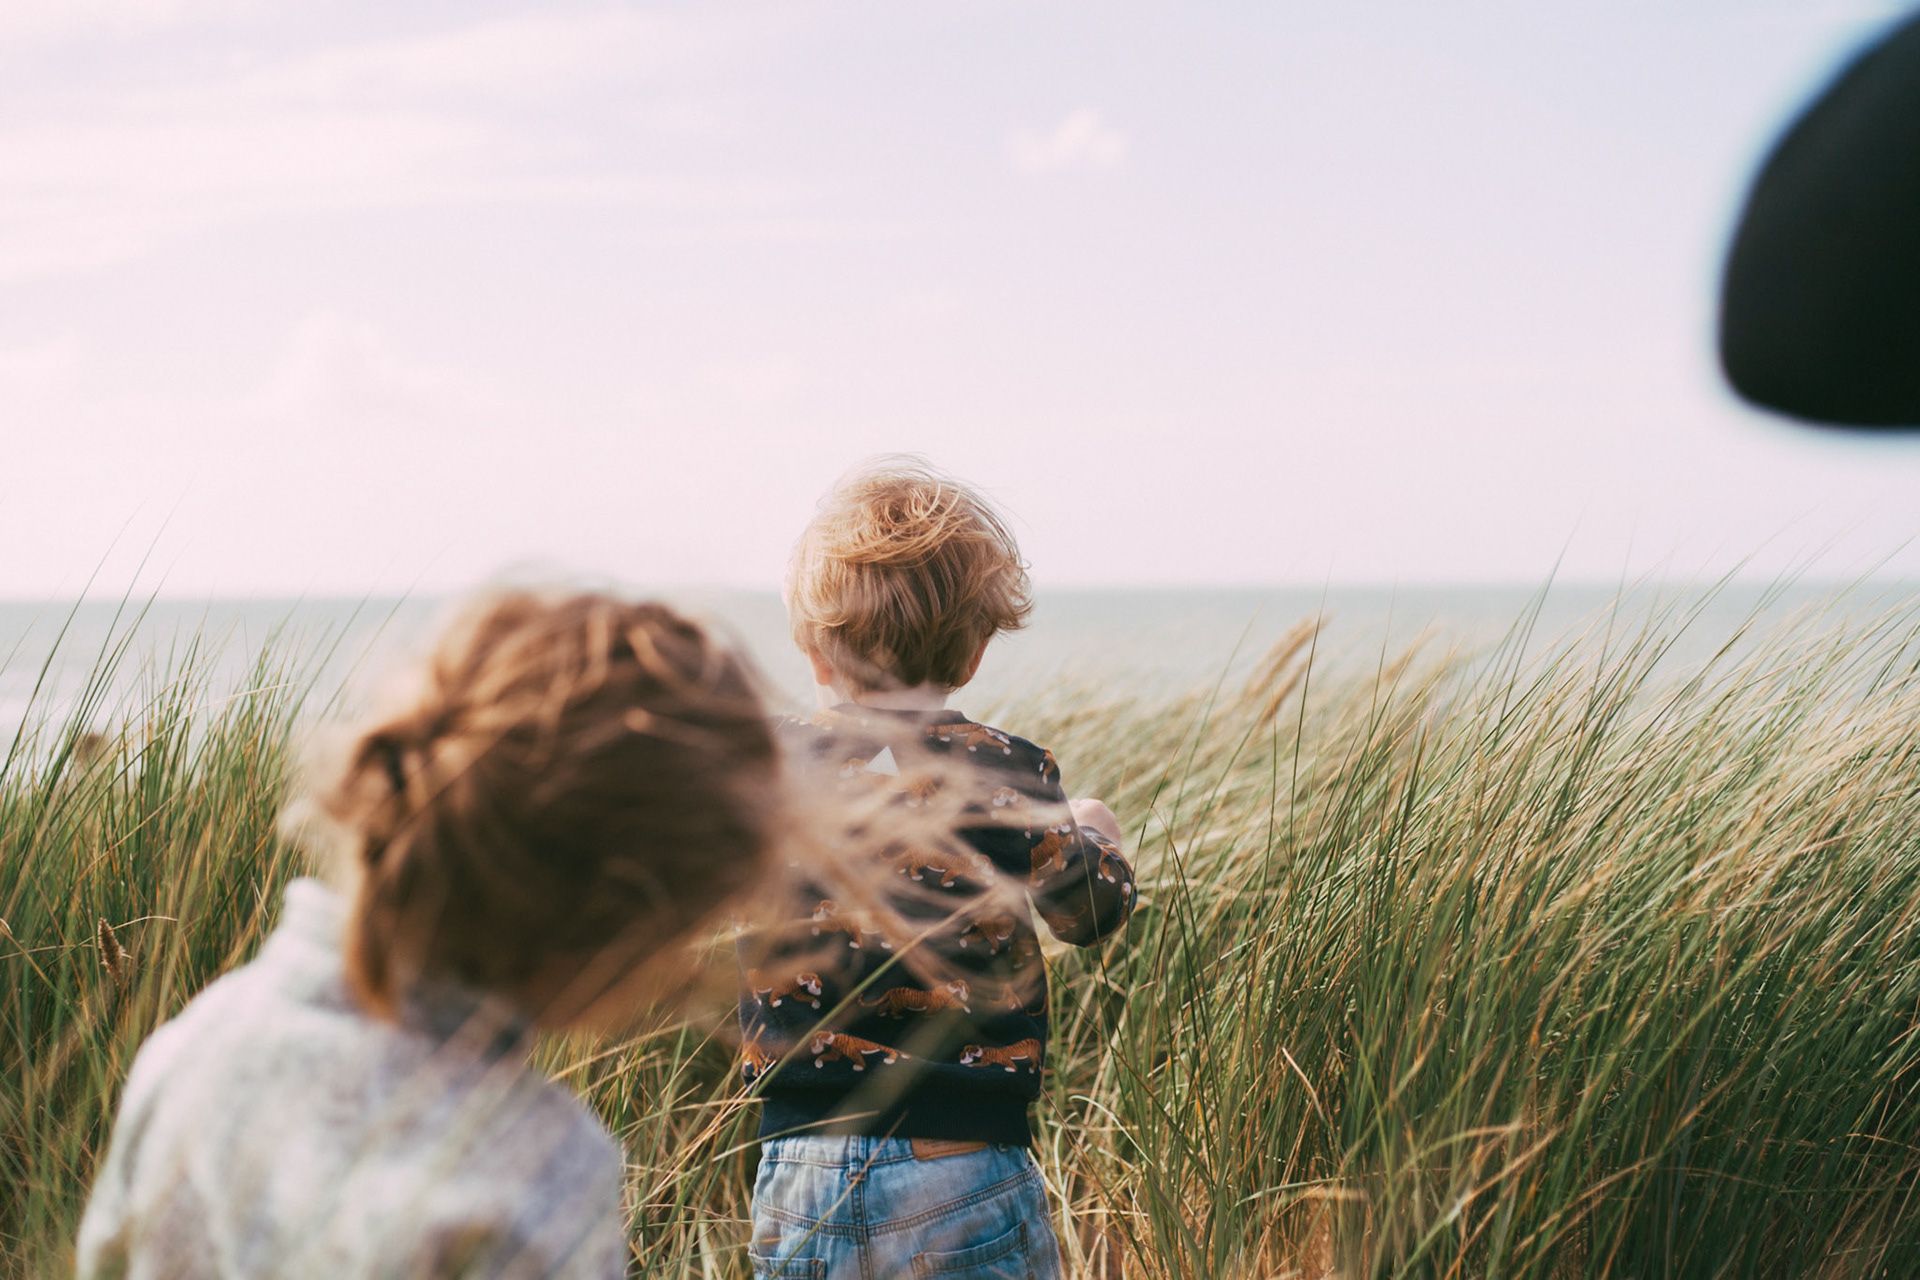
(822, 672)
(978, 656)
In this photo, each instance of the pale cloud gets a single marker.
(377, 124)
(547, 52)
(39, 22)
(1813, 12)
(1080, 141)
(761, 383)
(38, 369)
(336, 367)
(322, 151)
(82, 195)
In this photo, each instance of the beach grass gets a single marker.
(1559, 959)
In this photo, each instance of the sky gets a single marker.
(303, 299)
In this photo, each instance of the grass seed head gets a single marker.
(116, 958)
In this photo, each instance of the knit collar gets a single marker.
(859, 713)
(311, 939)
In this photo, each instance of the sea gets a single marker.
(1131, 643)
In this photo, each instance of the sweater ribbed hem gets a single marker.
(956, 1115)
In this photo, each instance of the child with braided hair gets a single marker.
(577, 782)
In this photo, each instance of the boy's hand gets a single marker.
(1095, 814)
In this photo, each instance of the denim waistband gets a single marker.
(838, 1151)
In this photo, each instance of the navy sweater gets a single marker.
(959, 1057)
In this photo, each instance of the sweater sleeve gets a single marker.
(103, 1249)
(1080, 882)
(109, 1228)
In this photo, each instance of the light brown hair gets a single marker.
(577, 778)
(903, 574)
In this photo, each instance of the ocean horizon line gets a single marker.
(1374, 586)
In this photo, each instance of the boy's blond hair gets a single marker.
(902, 576)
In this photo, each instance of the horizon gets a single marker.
(1692, 586)
(1149, 639)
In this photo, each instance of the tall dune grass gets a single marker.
(1560, 960)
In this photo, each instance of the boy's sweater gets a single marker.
(959, 1057)
(274, 1128)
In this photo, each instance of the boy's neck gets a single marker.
(925, 697)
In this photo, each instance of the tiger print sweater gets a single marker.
(849, 1039)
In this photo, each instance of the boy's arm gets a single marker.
(1080, 882)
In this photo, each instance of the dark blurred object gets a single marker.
(1820, 308)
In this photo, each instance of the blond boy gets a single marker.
(896, 1094)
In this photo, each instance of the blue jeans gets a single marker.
(850, 1208)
